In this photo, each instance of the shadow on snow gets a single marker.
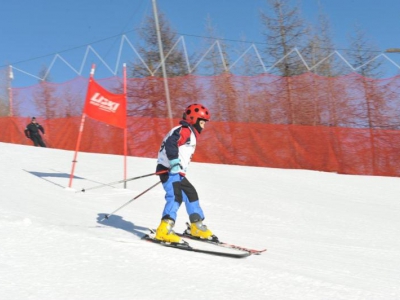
(118, 222)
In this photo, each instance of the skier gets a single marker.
(175, 155)
(32, 132)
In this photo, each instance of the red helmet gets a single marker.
(194, 112)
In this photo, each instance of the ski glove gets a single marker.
(175, 166)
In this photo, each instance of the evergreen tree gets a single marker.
(175, 60)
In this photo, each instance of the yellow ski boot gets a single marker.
(199, 230)
(165, 233)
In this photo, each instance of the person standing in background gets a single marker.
(32, 131)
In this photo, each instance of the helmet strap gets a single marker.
(197, 126)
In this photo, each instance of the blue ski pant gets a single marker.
(177, 190)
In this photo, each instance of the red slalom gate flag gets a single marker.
(104, 106)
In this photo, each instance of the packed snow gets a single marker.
(328, 236)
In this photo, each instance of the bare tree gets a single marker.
(284, 30)
(319, 53)
(249, 62)
(370, 98)
(320, 47)
(219, 88)
(72, 104)
(214, 57)
(44, 96)
(362, 53)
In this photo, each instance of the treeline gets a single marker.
(290, 93)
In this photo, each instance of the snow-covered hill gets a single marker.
(328, 236)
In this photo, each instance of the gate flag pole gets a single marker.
(74, 161)
(125, 131)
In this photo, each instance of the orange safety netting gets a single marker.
(347, 124)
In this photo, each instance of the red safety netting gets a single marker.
(347, 124)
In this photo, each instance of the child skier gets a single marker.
(175, 155)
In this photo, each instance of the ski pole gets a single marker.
(120, 181)
(133, 199)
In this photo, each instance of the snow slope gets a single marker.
(328, 236)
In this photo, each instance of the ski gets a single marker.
(187, 247)
(220, 244)
(223, 244)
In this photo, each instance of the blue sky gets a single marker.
(33, 32)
